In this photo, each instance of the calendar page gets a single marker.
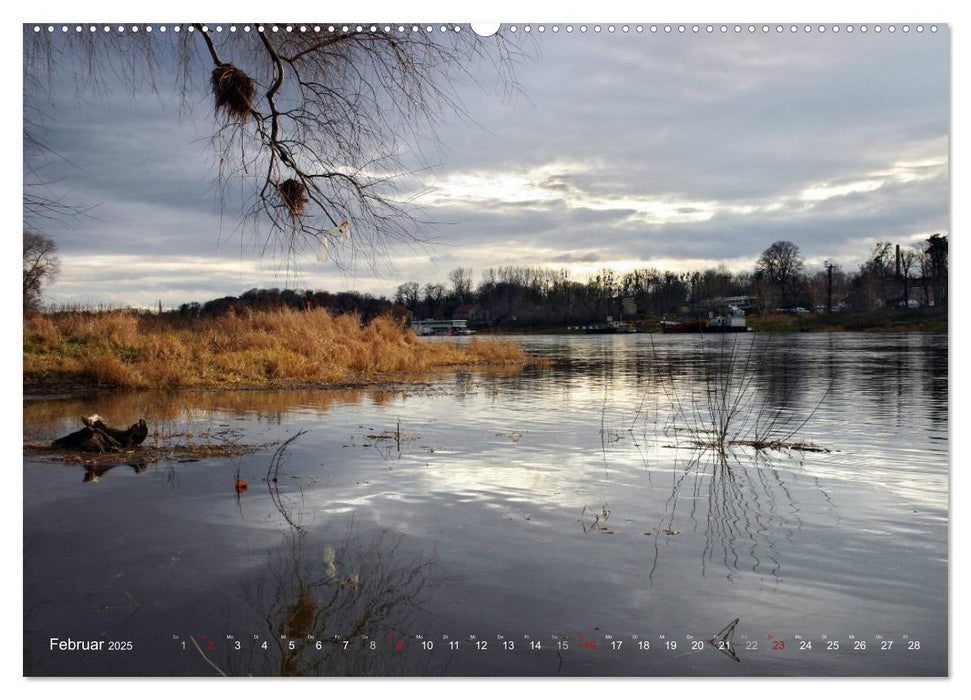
(477, 350)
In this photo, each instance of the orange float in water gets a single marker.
(241, 486)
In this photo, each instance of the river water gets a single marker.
(553, 521)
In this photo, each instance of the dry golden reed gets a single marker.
(249, 348)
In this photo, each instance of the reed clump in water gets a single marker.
(727, 407)
(248, 348)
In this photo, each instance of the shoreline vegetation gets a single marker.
(247, 349)
(926, 320)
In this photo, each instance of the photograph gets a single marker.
(550, 349)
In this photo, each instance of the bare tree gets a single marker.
(40, 267)
(936, 252)
(780, 264)
(312, 120)
(408, 294)
(908, 263)
(461, 279)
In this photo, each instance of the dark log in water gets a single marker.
(96, 436)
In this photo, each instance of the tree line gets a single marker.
(521, 296)
(891, 277)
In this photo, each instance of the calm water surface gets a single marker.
(544, 522)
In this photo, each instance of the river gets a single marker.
(553, 521)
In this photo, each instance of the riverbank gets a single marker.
(881, 321)
(69, 352)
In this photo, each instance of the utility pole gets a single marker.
(829, 287)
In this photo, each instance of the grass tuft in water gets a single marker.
(728, 408)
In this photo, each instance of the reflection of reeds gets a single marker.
(595, 521)
(173, 412)
(248, 348)
(741, 518)
(311, 600)
(273, 480)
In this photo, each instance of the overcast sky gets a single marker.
(679, 151)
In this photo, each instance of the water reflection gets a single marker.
(492, 474)
(320, 606)
(94, 472)
(740, 502)
(161, 408)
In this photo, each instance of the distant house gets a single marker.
(746, 303)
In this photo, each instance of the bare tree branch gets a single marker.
(325, 144)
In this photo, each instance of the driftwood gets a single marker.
(96, 436)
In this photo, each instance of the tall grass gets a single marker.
(725, 407)
(132, 350)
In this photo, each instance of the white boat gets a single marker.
(444, 327)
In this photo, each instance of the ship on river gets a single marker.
(731, 321)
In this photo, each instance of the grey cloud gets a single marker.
(729, 119)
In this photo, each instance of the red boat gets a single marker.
(698, 325)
